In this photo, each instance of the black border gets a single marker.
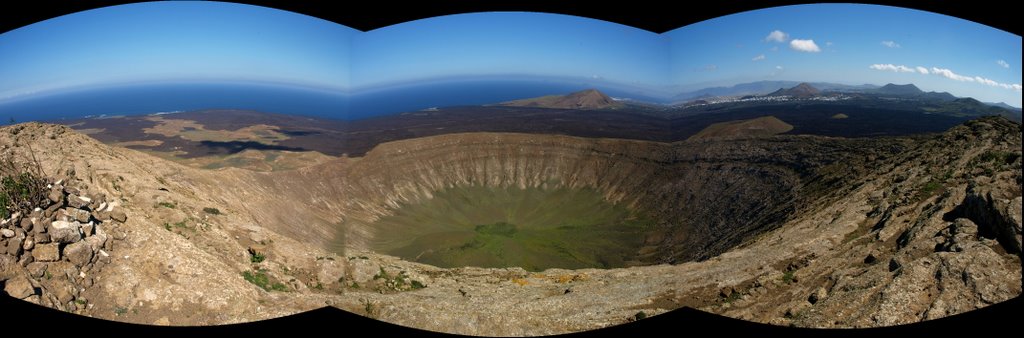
(645, 14)
(653, 15)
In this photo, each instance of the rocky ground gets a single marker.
(928, 229)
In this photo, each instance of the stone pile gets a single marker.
(48, 256)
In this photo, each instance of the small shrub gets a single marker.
(212, 211)
(734, 296)
(402, 282)
(257, 257)
(168, 205)
(640, 315)
(22, 187)
(120, 310)
(787, 277)
(930, 187)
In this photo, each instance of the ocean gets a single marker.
(155, 98)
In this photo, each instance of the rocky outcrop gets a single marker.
(54, 250)
(934, 239)
(998, 212)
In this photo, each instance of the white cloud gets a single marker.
(892, 68)
(758, 58)
(946, 73)
(890, 44)
(804, 46)
(777, 36)
(828, 43)
(774, 49)
(1003, 64)
(986, 81)
(949, 74)
(778, 67)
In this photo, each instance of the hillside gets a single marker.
(761, 126)
(802, 230)
(586, 99)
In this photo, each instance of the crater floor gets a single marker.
(532, 228)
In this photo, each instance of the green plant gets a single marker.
(369, 309)
(257, 257)
(930, 187)
(732, 297)
(81, 301)
(258, 278)
(212, 211)
(401, 282)
(168, 205)
(120, 310)
(787, 277)
(640, 315)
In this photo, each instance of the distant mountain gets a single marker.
(764, 87)
(941, 96)
(800, 90)
(1004, 106)
(910, 90)
(586, 99)
(895, 89)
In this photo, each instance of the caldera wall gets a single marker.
(705, 196)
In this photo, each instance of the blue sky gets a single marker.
(174, 41)
(851, 44)
(510, 43)
(210, 41)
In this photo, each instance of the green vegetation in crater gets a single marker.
(532, 228)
